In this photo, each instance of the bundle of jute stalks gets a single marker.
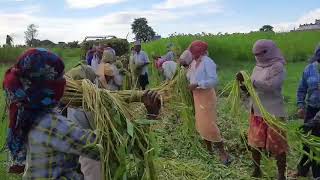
(124, 142)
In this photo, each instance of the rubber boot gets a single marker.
(256, 156)
(282, 165)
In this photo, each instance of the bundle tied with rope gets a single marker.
(123, 140)
(234, 99)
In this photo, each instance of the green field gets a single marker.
(179, 158)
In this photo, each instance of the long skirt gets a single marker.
(206, 114)
(261, 135)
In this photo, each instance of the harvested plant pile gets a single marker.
(124, 141)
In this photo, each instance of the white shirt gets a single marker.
(141, 59)
(205, 75)
(95, 62)
(169, 69)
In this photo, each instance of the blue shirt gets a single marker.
(308, 93)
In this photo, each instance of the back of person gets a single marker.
(169, 69)
(54, 149)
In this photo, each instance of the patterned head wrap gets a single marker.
(33, 86)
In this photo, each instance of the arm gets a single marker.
(69, 138)
(212, 77)
(273, 81)
(302, 91)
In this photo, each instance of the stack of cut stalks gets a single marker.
(124, 142)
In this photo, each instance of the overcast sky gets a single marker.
(68, 20)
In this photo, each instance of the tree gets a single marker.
(142, 30)
(74, 44)
(31, 34)
(266, 28)
(9, 41)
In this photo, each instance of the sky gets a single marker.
(70, 20)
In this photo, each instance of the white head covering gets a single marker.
(186, 57)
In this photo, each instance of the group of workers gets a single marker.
(43, 143)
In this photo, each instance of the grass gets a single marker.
(181, 155)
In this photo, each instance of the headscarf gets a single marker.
(33, 86)
(105, 69)
(267, 53)
(108, 56)
(316, 56)
(82, 72)
(186, 58)
(198, 48)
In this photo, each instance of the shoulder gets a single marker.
(277, 67)
(310, 66)
(143, 53)
(208, 61)
(54, 119)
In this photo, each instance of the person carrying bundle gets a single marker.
(308, 101)
(267, 78)
(203, 79)
(141, 62)
(34, 87)
(109, 57)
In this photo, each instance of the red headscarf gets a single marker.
(198, 48)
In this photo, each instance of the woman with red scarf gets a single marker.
(203, 79)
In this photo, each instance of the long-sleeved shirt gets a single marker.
(141, 60)
(205, 74)
(308, 93)
(268, 82)
(54, 147)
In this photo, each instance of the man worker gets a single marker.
(141, 62)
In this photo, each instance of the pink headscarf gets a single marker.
(267, 53)
(198, 48)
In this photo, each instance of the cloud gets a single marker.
(86, 4)
(117, 23)
(309, 17)
(173, 4)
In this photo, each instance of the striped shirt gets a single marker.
(54, 147)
